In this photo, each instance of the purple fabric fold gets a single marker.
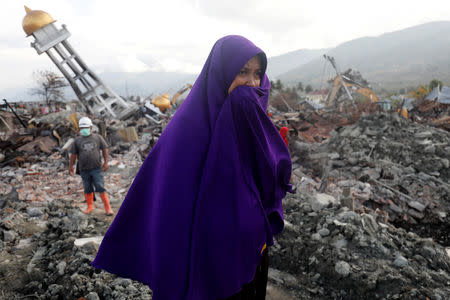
(209, 194)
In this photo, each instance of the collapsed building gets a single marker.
(434, 108)
(95, 95)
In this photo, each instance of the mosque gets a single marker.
(93, 93)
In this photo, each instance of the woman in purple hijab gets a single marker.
(208, 198)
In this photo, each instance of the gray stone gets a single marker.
(24, 243)
(9, 236)
(301, 149)
(55, 289)
(315, 277)
(446, 163)
(414, 213)
(61, 267)
(429, 252)
(322, 200)
(324, 232)
(370, 132)
(356, 132)
(34, 211)
(275, 275)
(316, 237)
(423, 135)
(337, 163)
(131, 290)
(90, 247)
(342, 268)
(431, 149)
(424, 142)
(122, 282)
(395, 208)
(77, 221)
(97, 240)
(353, 161)
(92, 296)
(417, 205)
(341, 243)
(400, 261)
(347, 216)
(334, 155)
(345, 183)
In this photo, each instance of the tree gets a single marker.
(308, 88)
(50, 86)
(278, 85)
(300, 87)
(420, 93)
(434, 83)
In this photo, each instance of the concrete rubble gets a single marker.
(369, 219)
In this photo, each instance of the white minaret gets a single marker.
(96, 96)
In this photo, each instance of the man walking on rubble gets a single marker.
(87, 149)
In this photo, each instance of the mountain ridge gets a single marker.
(403, 58)
(400, 59)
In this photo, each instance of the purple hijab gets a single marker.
(209, 195)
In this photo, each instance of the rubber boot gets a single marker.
(90, 203)
(105, 200)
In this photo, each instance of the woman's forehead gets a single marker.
(253, 62)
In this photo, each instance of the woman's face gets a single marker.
(249, 75)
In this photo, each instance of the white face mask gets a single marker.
(85, 131)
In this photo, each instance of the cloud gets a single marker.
(277, 17)
(130, 63)
(177, 35)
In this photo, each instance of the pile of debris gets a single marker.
(328, 251)
(357, 192)
(315, 125)
(434, 109)
(46, 253)
(40, 137)
(46, 241)
(387, 164)
(404, 167)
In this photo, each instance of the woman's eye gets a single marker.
(242, 72)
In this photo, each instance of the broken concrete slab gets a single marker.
(81, 242)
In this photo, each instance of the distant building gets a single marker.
(441, 95)
(317, 96)
(386, 104)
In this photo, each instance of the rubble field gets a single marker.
(368, 220)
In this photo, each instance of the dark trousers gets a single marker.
(256, 289)
(93, 179)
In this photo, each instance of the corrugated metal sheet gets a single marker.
(444, 96)
(433, 94)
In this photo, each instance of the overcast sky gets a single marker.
(177, 35)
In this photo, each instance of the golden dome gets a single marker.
(34, 20)
(162, 102)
